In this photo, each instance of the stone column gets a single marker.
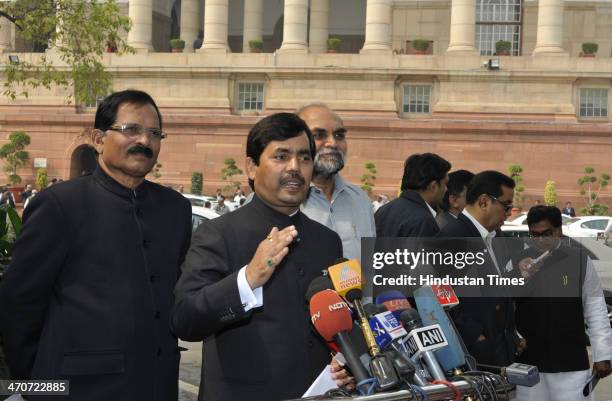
(190, 23)
(215, 26)
(140, 36)
(463, 26)
(295, 28)
(319, 25)
(378, 26)
(550, 27)
(253, 23)
(5, 35)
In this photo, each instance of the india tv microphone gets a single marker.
(332, 319)
(395, 302)
(422, 341)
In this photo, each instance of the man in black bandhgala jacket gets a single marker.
(246, 273)
(88, 295)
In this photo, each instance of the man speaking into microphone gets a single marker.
(245, 275)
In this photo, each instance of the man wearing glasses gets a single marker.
(565, 293)
(332, 201)
(486, 322)
(88, 294)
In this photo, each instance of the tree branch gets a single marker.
(11, 18)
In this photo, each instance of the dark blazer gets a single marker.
(487, 314)
(570, 211)
(267, 353)
(406, 216)
(88, 294)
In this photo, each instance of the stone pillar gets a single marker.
(295, 28)
(215, 26)
(140, 36)
(5, 35)
(550, 27)
(253, 23)
(378, 26)
(463, 26)
(319, 25)
(190, 23)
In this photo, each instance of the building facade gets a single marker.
(543, 106)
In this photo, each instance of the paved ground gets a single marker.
(189, 377)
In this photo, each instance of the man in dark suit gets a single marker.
(245, 276)
(569, 210)
(453, 202)
(486, 320)
(88, 294)
(413, 213)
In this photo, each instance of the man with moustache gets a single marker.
(88, 294)
(246, 273)
(332, 201)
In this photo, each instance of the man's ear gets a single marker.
(98, 137)
(483, 200)
(251, 168)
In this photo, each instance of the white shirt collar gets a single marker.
(484, 233)
(433, 212)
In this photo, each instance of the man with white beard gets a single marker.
(332, 201)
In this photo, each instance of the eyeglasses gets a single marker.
(321, 135)
(135, 130)
(544, 234)
(507, 206)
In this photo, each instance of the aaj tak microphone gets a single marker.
(431, 308)
(422, 341)
(332, 319)
(346, 279)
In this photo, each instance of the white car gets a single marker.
(200, 215)
(586, 226)
(521, 219)
(200, 200)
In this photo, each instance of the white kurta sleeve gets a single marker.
(596, 315)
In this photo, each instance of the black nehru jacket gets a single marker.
(268, 353)
(88, 294)
(406, 216)
(552, 325)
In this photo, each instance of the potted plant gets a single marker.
(111, 46)
(516, 171)
(333, 45)
(420, 46)
(589, 49)
(502, 48)
(256, 46)
(177, 45)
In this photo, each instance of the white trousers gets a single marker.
(565, 386)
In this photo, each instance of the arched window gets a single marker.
(498, 20)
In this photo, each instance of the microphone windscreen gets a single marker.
(394, 301)
(330, 315)
(370, 310)
(318, 284)
(411, 319)
(353, 294)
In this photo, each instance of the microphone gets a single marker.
(431, 312)
(318, 284)
(422, 341)
(518, 374)
(388, 333)
(331, 317)
(346, 279)
(394, 301)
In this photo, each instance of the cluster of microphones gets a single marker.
(389, 346)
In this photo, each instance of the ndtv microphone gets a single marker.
(332, 319)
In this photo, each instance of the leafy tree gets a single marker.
(515, 171)
(550, 194)
(590, 187)
(197, 180)
(41, 178)
(228, 172)
(79, 31)
(14, 155)
(368, 177)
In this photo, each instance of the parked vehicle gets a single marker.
(200, 215)
(586, 226)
